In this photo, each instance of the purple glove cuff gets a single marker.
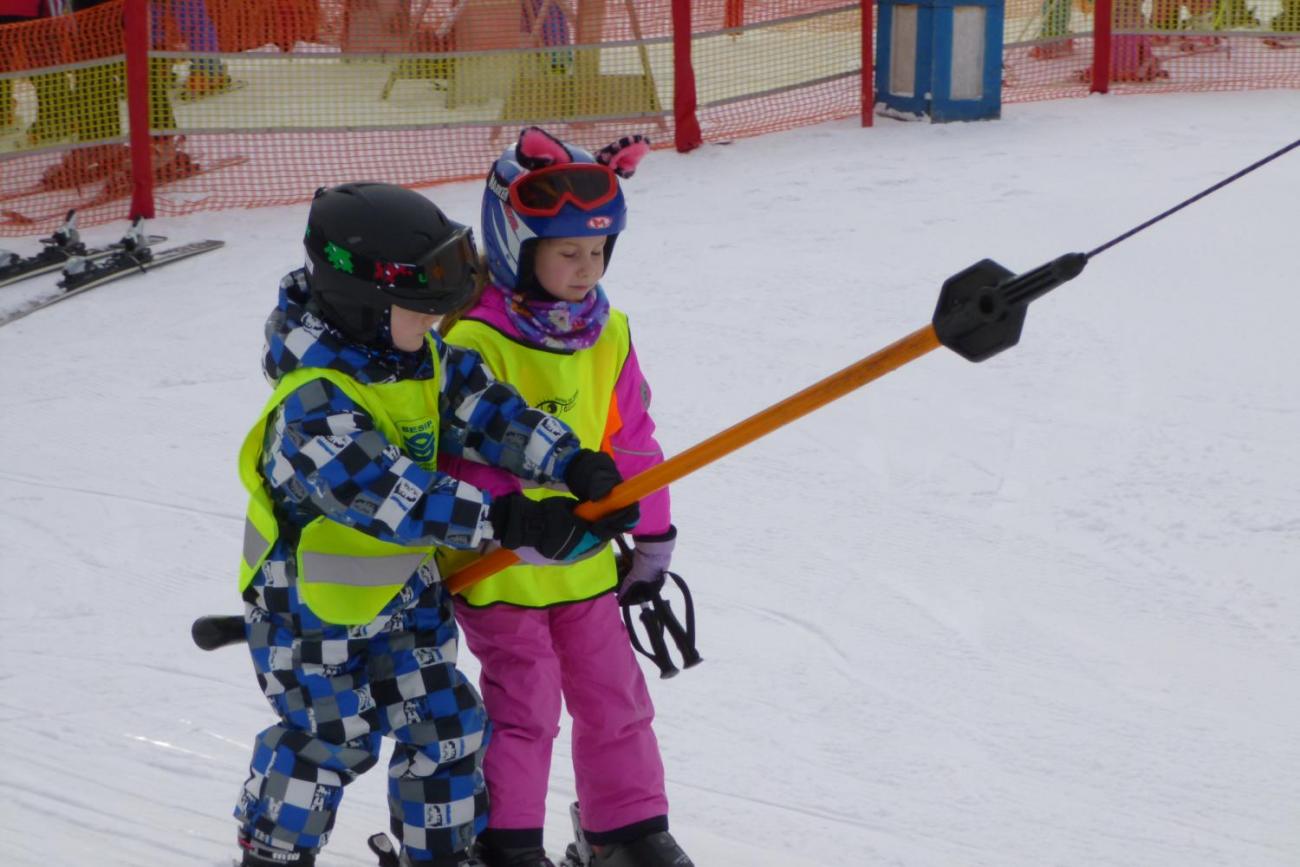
(650, 560)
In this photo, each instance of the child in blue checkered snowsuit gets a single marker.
(338, 689)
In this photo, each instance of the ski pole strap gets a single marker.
(683, 638)
(657, 617)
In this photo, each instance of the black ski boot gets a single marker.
(656, 850)
(386, 851)
(653, 850)
(258, 855)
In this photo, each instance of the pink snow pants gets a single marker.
(529, 657)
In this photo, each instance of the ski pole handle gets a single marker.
(980, 313)
(683, 636)
(214, 631)
(815, 396)
(654, 628)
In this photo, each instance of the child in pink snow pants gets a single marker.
(543, 323)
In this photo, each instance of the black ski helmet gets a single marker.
(373, 246)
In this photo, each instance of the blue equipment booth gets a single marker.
(940, 59)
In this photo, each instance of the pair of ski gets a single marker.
(56, 251)
(85, 268)
(578, 854)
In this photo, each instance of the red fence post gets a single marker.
(136, 25)
(1102, 27)
(868, 63)
(688, 136)
(733, 14)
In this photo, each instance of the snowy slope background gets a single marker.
(1040, 611)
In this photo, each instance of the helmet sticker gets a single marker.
(499, 189)
(388, 272)
(341, 259)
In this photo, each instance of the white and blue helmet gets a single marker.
(510, 235)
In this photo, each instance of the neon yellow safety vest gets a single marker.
(577, 388)
(344, 575)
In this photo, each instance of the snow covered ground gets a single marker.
(1040, 611)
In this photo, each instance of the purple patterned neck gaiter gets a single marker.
(558, 324)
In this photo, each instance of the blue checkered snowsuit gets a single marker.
(338, 690)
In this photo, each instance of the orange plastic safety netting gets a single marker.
(254, 102)
(1155, 46)
(765, 65)
(60, 83)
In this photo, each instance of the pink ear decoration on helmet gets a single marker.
(623, 155)
(537, 149)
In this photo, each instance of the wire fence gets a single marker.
(244, 103)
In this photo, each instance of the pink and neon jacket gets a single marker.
(632, 442)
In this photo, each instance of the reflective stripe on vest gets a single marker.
(578, 389)
(344, 575)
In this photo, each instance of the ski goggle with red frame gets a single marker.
(544, 192)
(439, 282)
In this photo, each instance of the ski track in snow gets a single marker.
(1043, 610)
(46, 484)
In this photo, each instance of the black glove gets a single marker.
(592, 475)
(548, 531)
